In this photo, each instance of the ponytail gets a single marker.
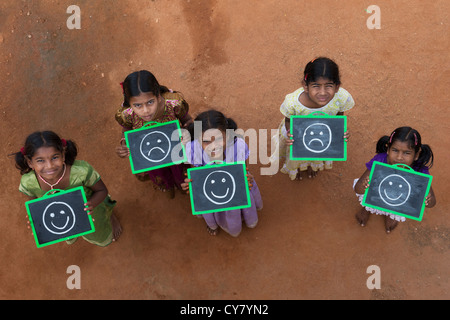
(382, 144)
(425, 157)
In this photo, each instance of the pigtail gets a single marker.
(425, 157)
(71, 151)
(21, 162)
(382, 145)
(164, 89)
(231, 124)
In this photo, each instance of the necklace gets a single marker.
(59, 180)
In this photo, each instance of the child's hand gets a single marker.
(366, 183)
(185, 185)
(289, 140)
(29, 226)
(346, 136)
(250, 179)
(89, 207)
(122, 151)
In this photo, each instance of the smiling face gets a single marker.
(219, 187)
(317, 137)
(394, 190)
(214, 143)
(155, 146)
(48, 162)
(58, 218)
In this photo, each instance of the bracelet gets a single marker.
(120, 142)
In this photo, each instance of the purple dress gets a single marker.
(382, 157)
(230, 221)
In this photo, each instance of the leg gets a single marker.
(390, 224)
(116, 226)
(362, 216)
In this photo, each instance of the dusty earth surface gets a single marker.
(241, 57)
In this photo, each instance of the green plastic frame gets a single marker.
(51, 194)
(194, 212)
(146, 126)
(314, 115)
(407, 169)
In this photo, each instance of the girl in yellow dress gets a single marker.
(321, 91)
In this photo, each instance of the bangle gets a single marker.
(120, 142)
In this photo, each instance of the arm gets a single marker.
(122, 150)
(100, 193)
(363, 183)
(287, 124)
(185, 184)
(346, 134)
(186, 121)
(430, 200)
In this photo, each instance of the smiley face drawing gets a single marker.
(394, 190)
(317, 137)
(58, 218)
(219, 187)
(155, 146)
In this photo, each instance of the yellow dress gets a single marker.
(342, 101)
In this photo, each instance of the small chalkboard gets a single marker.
(401, 191)
(318, 136)
(155, 147)
(59, 216)
(218, 187)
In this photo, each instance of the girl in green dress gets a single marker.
(48, 162)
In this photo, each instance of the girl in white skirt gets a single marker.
(403, 146)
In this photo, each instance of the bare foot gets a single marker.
(212, 232)
(311, 173)
(116, 227)
(362, 217)
(390, 224)
(169, 192)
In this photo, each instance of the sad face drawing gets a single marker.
(317, 137)
(394, 190)
(58, 218)
(155, 146)
(219, 187)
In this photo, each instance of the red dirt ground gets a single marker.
(242, 57)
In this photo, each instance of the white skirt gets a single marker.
(376, 211)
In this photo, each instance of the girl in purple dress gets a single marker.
(216, 141)
(403, 146)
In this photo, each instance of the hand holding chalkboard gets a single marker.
(185, 184)
(221, 187)
(401, 191)
(154, 147)
(59, 216)
(318, 137)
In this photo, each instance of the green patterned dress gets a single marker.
(84, 175)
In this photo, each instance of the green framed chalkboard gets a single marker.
(155, 145)
(59, 216)
(218, 187)
(397, 189)
(318, 136)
